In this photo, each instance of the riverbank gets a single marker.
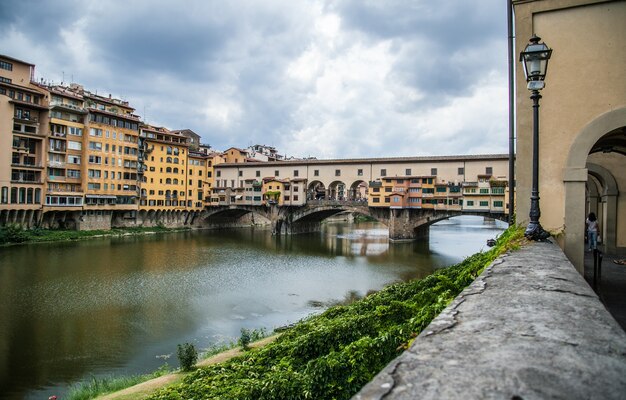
(13, 234)
(332, 355)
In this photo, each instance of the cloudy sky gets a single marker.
(330, 79)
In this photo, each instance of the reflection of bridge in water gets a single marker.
(403, 223)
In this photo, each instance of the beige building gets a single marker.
(346, 179)
(582, 125)
(23, 143)
(66, 180)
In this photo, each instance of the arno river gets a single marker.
(69, 311)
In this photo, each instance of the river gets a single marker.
(69, 311)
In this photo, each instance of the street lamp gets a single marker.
(535, 61)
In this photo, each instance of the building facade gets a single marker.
(23, 143)
(582, 120)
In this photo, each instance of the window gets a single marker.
(218, 173)
(461, 171)
(276, 173)
(383, 172)
(95, 132)
(5, 195)
(76, 131)
(359, 172)
(376, 200)
(94, 173)
(95, 160)
(484, 191)
(484, 204)
(258, 173)
(316, 172)
(95, 146)
(470, 203)
(433, 171)
(295, 172)
(72, 159)
(240, 173)
(337, 172)
(6, 65)
(73, 173)
(489, 170)
(407, 171)
(497, 203)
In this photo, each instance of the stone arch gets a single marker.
(358, 191)
(575, 179)
(337, 190)
(316, 190)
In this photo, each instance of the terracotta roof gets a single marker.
(384, 160)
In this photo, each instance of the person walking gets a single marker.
(592, 231)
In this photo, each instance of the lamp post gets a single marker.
(535, 58)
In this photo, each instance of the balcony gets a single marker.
(56, 164)
(58, 149)
(27, 181)
(27, 164)
(67, 107)
(30, 120)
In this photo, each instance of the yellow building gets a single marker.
(24, 127)
(111, 153)
(164, 181)
(235, 155)
(197, 180)
(273, 191)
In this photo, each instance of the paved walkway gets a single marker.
(529, 327)
(612, 287)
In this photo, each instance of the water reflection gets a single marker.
(118, 305)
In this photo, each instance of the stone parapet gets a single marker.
(529, 327)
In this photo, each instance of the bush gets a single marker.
(13, 234)
(187, 356)
(245, 339)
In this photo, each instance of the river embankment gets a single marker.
(14, 234)
(334, 354)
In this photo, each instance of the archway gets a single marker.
(337, 191)
(606, 204)
(358, 191)
(316, 191)
(601, 142)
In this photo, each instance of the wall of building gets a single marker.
(586, 79)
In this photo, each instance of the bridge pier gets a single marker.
(407, 224)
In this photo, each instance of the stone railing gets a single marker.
(529, 327)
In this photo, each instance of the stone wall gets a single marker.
(529, 327)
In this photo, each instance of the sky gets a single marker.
(313, 78)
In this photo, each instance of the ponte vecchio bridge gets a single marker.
(407, 194)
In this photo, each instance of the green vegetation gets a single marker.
(363, 218)
(99, 386)
(250, 335)
(333, 355)
(11, 234)
(187, 356)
